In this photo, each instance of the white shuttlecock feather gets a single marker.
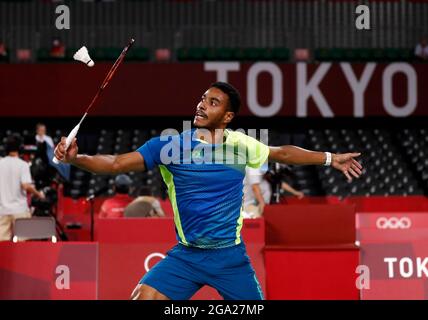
(83, 56)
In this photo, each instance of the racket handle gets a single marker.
(68, 141)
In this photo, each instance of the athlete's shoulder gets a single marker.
(241, 137)
(164, 138)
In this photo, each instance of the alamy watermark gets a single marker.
(62, 21)
(362, 22)
(239, 149)
(62, 281)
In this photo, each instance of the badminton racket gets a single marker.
(106, 81)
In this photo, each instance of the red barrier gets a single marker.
(44, 270)
(310, 225)
(311, 274)
(394, 248)
(368, 204)
(310, 252)
(77, 213)
(71, 211)
(130, 246)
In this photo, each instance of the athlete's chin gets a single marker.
(200, 123)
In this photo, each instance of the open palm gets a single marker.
(347, 165)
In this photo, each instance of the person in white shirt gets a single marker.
(41, 135)
(258, 191)
(421, 50)
(15, 182)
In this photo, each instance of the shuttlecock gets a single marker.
(83, 56)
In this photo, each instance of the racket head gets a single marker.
(116, 64)
(111, 73)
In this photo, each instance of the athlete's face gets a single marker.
(212, 112)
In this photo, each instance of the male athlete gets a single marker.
(204, 170)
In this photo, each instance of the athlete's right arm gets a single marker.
(101, 164)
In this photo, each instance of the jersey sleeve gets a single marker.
(257, 152)
(151, 151)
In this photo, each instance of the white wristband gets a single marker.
(327, 159)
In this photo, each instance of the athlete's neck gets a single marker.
(212, 136)
(13, 154)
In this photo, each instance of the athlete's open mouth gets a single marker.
(200, 115)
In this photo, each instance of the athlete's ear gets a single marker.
(228, 117)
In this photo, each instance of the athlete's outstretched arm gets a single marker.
(101, 164)
(298, 156)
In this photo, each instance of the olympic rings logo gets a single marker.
(149, 257)
(393, 223)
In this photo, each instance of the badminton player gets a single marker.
(206, 196)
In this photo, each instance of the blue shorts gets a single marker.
(185, 270)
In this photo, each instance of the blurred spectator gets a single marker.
(163, 55)
(301, 54)
(23, 55)
(145, 205)
(285, 186)
(3, 50)
(57, 49)
(41, 135)
(15, 182)
(421, 50)
(258, 191)
(115, 206)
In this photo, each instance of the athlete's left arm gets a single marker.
(293, 155)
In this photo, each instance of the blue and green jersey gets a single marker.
(205, 183)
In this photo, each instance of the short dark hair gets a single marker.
(232, 93)
(122, 189)
(13, 143)
(122, 183)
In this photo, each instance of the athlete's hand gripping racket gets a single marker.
(107, 79)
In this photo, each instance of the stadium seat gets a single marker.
(226, 53)
(378, 55)
(385, 167)
(111, 53)
(392, 54)
(322, 54)
(35, 228)
(182, 54)
(5, 58)
(395, 161)
(197, 54)
(337, 54)
(351, 54)
(364, 54)
(43, 55)
(281, 54)
(139, 54)
(210, 54)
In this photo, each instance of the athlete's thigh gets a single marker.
(234, 277)
(173, 277)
